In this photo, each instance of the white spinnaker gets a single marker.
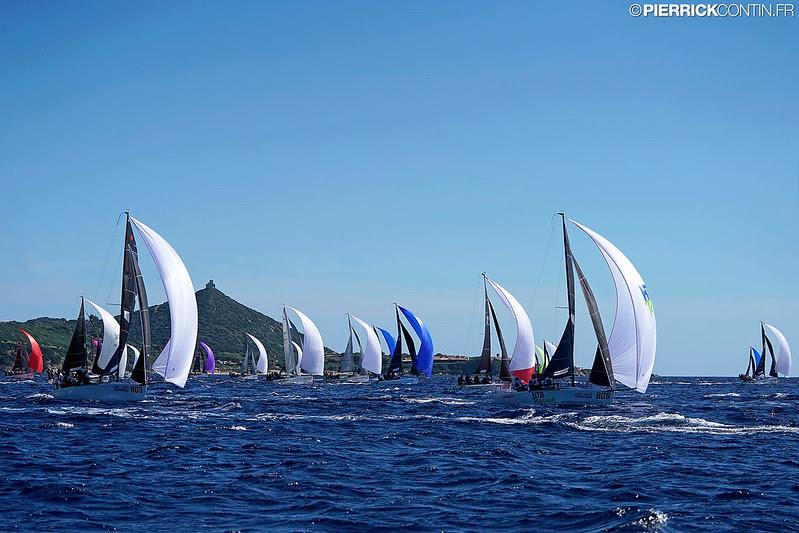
(110, 334)
(524, 351)
(262, 364)
(299, 353)
(123, 363)
(174, 362)
(313, 349)
(550, 348)
(136, 354)
(371, 357)
(784, 357)
(633, 341)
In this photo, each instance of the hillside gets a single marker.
(222, 324)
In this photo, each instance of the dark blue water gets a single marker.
(692, 454)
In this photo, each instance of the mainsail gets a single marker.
(288, 356)
(371, 358)
(313, 349)
(783, 365)
(348, 357)
(561, 363)
(424, 357)
(633, 340)
(174, 362)
(504, 370)
(395, 363)
(523, 359)
(390, 342)
(484, 365)
(76, 356)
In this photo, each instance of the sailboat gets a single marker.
(484, 372)
(310, 357)
(26, 366)
(108, 382)
(204, 361)
(348, 371)
(250, 366)
(371, 354)
(780, 363)
(628, 356)
(421, 361)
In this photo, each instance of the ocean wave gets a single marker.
(672, 423)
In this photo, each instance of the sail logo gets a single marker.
(647, 300)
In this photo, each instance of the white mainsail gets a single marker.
(633, 341)
(313, 348)
(784, 356)
(174, 362)
(371, 356)
(288, 356)
(110, 335)
(523, 358)
(262, 364)
(136, 354)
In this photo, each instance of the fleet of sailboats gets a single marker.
(547, 374)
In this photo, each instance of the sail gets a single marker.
(288, 355)
(76, 356)
(262, 364)
(348, 357)
(395, 364)
(136, 355)
(127, 303)
(21, 360)
(35, 360)
(313, 349)
(561, 363)
(633, 340)
(784, 355)
(139, 372)
(210, 361)
(298, 349)
(390, 342)
(411, 349)
(549, 348)
(174, 362)
(760, 368)
(522, 360)
(504, 371)
(602, 369)
(371, 357)
(245, 362)
(110, 335)
(484, 365)
(424, 357)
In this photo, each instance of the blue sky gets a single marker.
(341, 156)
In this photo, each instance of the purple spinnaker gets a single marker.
(210, 362)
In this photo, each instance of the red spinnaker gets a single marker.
(35, 361)
(524, 375)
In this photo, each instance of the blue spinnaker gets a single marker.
(757, 356)
(389, 340)
(424, 358)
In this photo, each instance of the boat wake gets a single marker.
(671, 423)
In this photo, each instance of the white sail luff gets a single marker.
(110, 334)
(174, 362)
(298, 349)
(136, 354)
(784, 355)
(551, 348)
(524, 351)
(288, 358)
(633, 340)
(371, 356)
(262, 365)
(313, 348)
(123, 363)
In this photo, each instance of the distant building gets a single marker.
(210, 284)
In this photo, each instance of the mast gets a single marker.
(395, 364)
(348, 359)
(484, 365)
(243, 368)
(288, 356)
(760, 371)
(504, 369)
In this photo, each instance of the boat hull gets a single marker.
(294, 380)
(103, 392)
(484, 387)
(408, 380)
(574, 396)
(762, 381)
(353, 379)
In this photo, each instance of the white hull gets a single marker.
(103, 392)
(401, 381)
(358, 378)
(564, 396)
(762, 381)
(487, 387)
(294, 380)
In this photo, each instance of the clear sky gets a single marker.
(341, 156)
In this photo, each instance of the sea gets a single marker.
(225, 454)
